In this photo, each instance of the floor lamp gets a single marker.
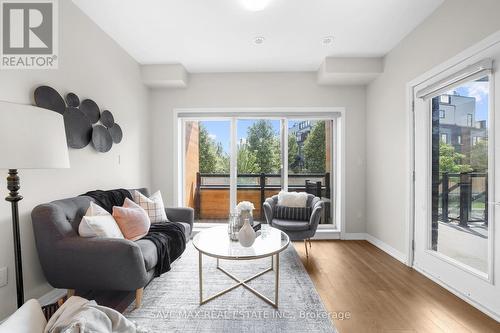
(30, 138)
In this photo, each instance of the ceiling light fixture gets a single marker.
(255, 5)
(327, 40)
(258, 40)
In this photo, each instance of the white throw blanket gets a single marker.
(78, 315)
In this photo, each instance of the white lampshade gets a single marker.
(31, 138)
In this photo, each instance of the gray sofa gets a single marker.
(73, 262)
(296, 230)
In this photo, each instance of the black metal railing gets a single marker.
(463, 183)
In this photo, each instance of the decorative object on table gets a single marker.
(245, 209)
(246, 235)
(107, 119)
(78, 119)
(78, 128)
(101, 139)
(40, 143)
(233, 226)
(48, 98)
(72, 100)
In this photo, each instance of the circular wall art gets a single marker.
(101, 139)
(72, 100)
(91, 110)
(107, 118)
(48, 98)
(116, 133)
(78, 128)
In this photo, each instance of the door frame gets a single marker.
(338, 144)
(489, 43)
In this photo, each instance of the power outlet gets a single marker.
(3, 276)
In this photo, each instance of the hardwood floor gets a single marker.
(382, 294)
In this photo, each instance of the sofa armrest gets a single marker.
(269, 210)
(28, 318)
(97, 264)
(316, 214)
(181, 214)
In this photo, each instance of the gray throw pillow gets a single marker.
(292, 213)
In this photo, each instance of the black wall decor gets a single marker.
(78, 119)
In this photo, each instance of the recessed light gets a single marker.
(258, 40)
(327, 40)
(255, 5)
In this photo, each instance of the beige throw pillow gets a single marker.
(97, 222)
(152, 205)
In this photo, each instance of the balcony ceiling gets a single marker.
(218, 35)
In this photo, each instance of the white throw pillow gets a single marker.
(152, 205)
(292, 199)
(97, 222)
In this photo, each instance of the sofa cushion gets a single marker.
(291, 225)
(149, 251)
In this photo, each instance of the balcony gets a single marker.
(211, 196)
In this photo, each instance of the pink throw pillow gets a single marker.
(132, 219)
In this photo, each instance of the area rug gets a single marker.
(171, 302)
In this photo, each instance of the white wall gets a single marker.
(91, 65)
(454, 26)
(262, 90)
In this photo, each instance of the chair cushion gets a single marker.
(149, 251)
(292, 213)
(290, 225)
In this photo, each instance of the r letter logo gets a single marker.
(29, 34)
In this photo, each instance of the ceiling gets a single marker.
(218, 35)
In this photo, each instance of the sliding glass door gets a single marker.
(227, 160)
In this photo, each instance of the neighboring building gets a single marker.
(458, 126)
(301, 130)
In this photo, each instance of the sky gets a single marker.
(219, 130)
(480, 91)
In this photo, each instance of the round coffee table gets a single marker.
(215, 242)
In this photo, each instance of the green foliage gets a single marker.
(315, 149)
(450, 161)
(264, 144)
(247, 162)
(293, 154)
(479, 156)
(211, 155)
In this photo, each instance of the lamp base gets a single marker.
(13, 185)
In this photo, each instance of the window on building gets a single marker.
(444, 137)
(444, 99)
(459, 139)
(442, 114)
(469, 119)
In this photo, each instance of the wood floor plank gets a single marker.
(384, 295)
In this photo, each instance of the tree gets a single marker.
(479, 156)
(264, 144)
(294, 159)
(315, 149)
(450, 161)
(211, 154)
(247, 162)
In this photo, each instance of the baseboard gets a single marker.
(387, 249)
(354, 236)
(459, 294)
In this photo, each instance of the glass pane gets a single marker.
(258, 162)
(309, 160)
(206, 174)
(460, 174)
